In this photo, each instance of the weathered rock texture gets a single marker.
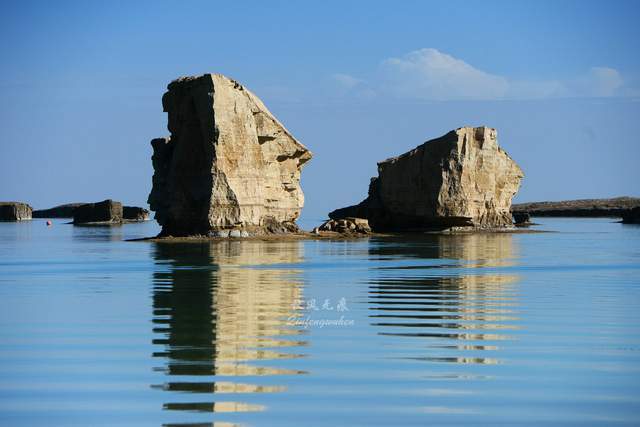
(460, 179)
(106, 211)
(14, 211)
(134, 213)
(229, 163)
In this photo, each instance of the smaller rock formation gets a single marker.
(631, 216)
(135, 213)
(60, 211)
(105, 212)
(229, 164)
(347, 225)
(15, 211)
(462, 179)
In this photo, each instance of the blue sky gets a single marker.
(81, 86)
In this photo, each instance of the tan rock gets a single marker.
(460, 179)
(228, 164)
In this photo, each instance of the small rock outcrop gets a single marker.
(15, 211)
(521, 219)
(60, 211)
(105, 212)
(347, 225)
(631, 216)
(462, 179)
(229, 164)
(134, 213)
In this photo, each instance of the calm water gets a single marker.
(520, 329)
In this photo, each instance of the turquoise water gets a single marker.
(483, 329)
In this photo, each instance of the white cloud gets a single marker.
(347, 81)
(599, 82)
(431, 74)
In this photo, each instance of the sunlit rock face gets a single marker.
(228, 164)
(460, 179)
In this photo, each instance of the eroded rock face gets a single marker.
(462, 179)
(229, 163)
(15, 211)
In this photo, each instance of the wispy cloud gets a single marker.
(429, 74)
(347, 81)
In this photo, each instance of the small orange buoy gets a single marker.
(48, 223)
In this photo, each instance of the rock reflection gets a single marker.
(457, 310)
(218, 307)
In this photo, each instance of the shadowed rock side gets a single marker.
(107, 211)
(135, 213)
(129, 213)
(632, 216)
(229, 163)
(14, 211)
(462, 179)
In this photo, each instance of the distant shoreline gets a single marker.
(613, 207)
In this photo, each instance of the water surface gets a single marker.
(513, 329)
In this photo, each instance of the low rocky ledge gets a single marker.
(15, 211)
(68, 210)
(615, 207)
(348, 225)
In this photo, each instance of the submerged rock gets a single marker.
(15, 211)
(105, 212)
(229, 163)
(134, 213)
(462, 179)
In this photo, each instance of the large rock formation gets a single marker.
(105, 212)
(14, 211)
(229, 163)
(460, 179)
